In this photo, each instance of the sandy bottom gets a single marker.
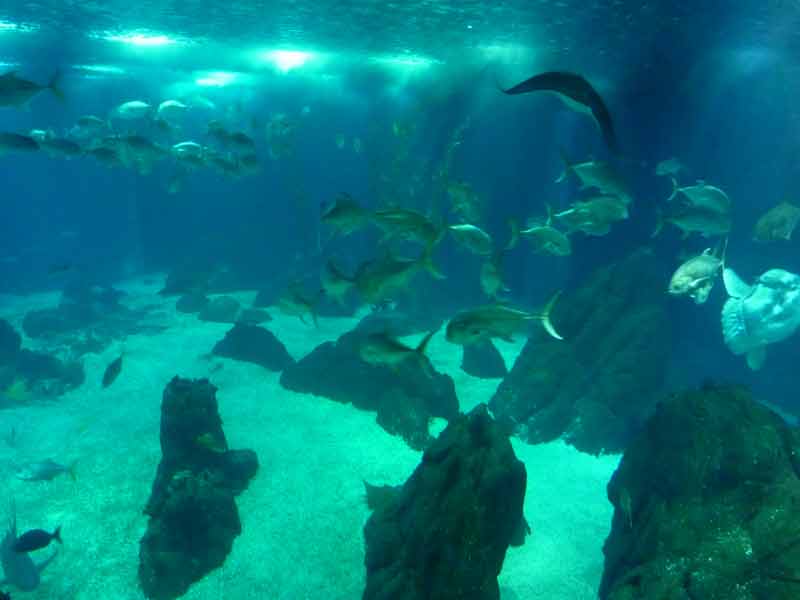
(303, 514)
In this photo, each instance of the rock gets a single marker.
(597, 387)
(254, 316)
(483, 360)
(223, 309)
(192, 302)
(705, 503)
(254, 344)
(404, 398)
(193, 515)
(46, 375)
(445, 532)
(10, 343)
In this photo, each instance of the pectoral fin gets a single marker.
(755, 358)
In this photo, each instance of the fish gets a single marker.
(187, 149)
(690, 220)
(381, 349)
(702, 196)
(112, 371)
(335, 283)
(171, 109)
(60, 147)
(36, 539)
(133, 110)
(16, 142)
(577, 93)
(596, 174)
(593, 216)
(377, 280)
(473, 238)
(17, 92)
(45, 470)
(58, 268)
(491, 276)
(669, 167)
(241, 143)
(464, 201)
(4, 595)
(344, 215)
(695, 277)
(406, 224)
(755, 316)
(296, 303)
(777, 224)
(546, 239)
(91, 125)
(19, 569)
(497, 321)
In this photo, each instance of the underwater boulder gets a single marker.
(192, 302)
(405, 398)
(10, 343)
(193, 515)
(483, 360)
(254, 316)
(444, 533)
(223, 309)
(595, 388)
(254, 344)
(705, 503)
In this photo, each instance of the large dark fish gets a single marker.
(112, 371)
(574, 90)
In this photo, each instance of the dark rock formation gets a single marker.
(597, 386)
(223, 309)
(254, 344)
(483, 360)
(445, 532)
(191, 303)
(10, 343)
(193, 515)
(706, 503)
(404, 398)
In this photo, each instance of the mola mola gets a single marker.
(18, 568)
(760, 314)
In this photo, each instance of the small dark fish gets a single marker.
(573, 89)
(112, 371)
(36, 539)
(57, 268)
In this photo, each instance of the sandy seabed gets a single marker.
(303, 514)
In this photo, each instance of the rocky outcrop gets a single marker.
(483, 360)
(254, 344)
(405, 398)
(597, 386)
(192, 302)
(222, 309)
(445, 532)
(10, 343)
(706, 503)
(193, 515)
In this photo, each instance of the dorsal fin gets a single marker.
(734, 285)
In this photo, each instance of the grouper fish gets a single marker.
(577, 93)
(18, 567)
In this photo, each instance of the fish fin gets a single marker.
(513, 240)
(55, 86)
(549, 210)
(567, 166)
(724, 253)
(429, 266)
(674, 189)
(57, 535)
(755, 358)
(423, 345)
(71, 470)
(659, 223)
(545, 316)
(734, 285)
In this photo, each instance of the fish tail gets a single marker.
(659, 224)
(427, 263)
(674, 189)
(545, 316)
(567, 165)
(55, 86)
(57, 535)
(513, 226)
